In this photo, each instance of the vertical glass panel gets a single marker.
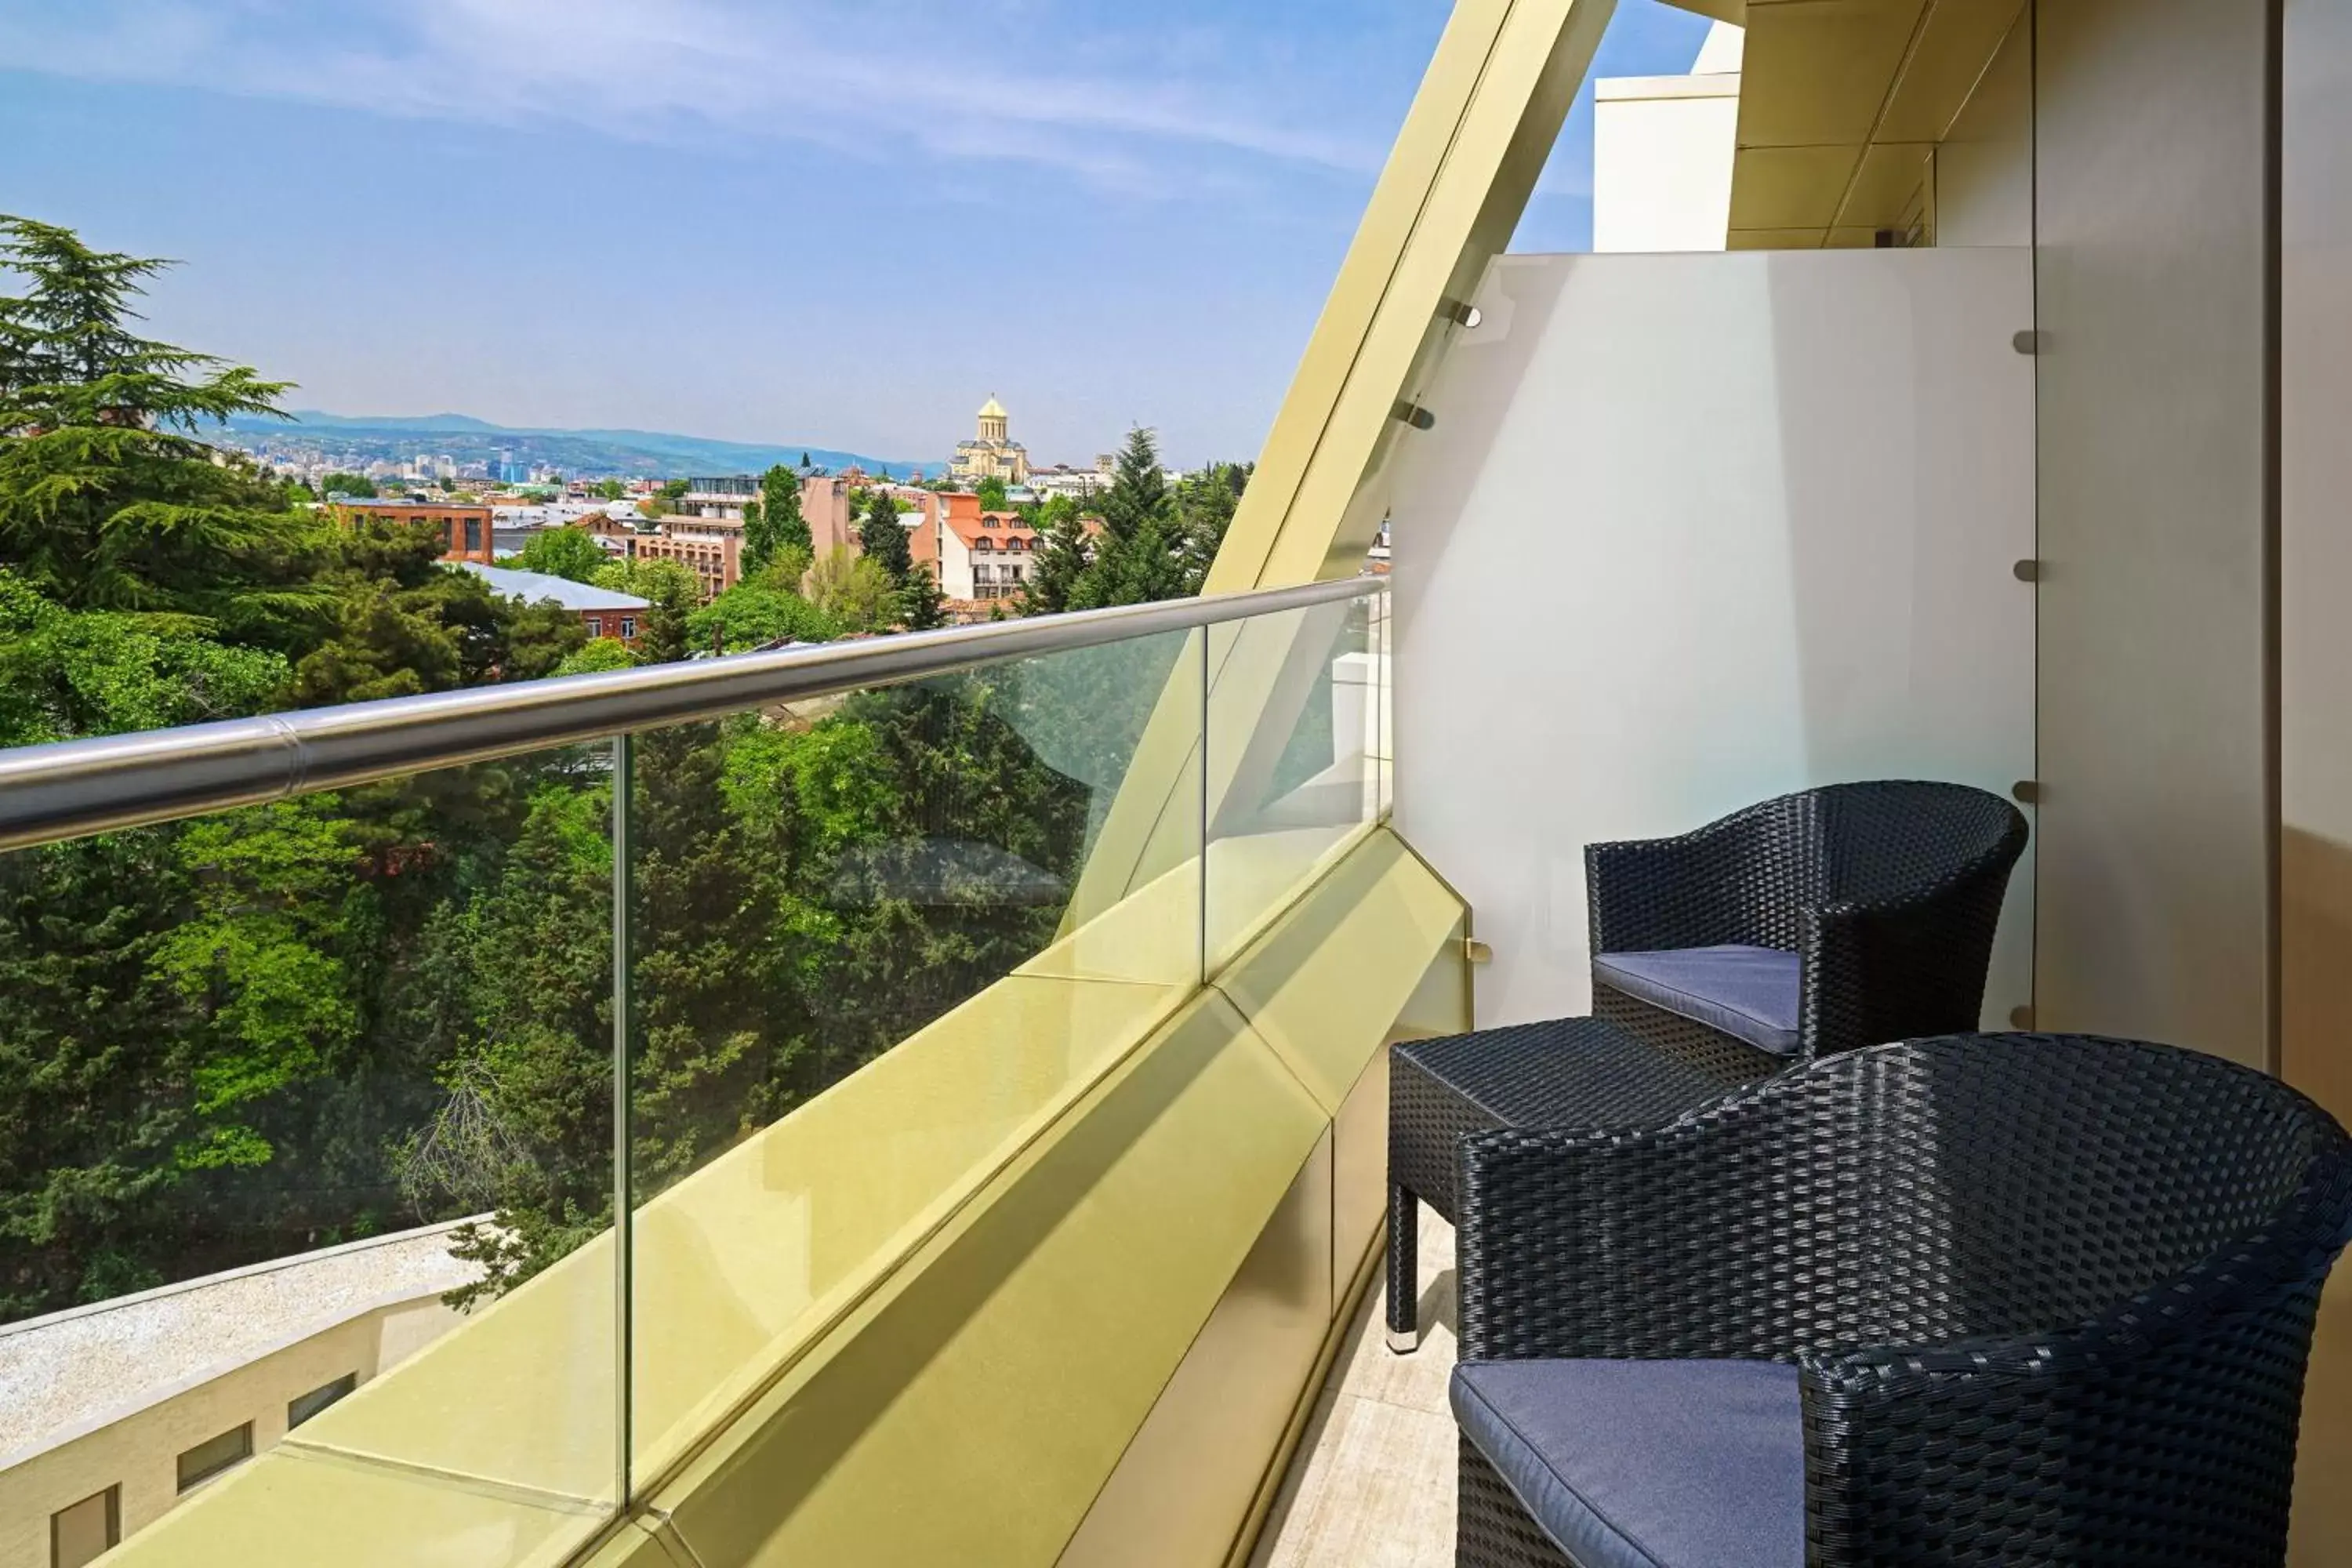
(876, 943)
(1295, 707)
(330, 1073)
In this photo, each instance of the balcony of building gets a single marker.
(1956, 403)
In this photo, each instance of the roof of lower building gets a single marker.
(532, 586)
(74, 1371)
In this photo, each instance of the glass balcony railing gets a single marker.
(777, 959)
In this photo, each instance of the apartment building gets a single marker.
(471, 531)
(983, 555)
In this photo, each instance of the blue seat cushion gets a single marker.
(1647, 1464)
(1749, 992)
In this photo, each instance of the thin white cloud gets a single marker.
(968, 81)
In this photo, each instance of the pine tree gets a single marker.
(1205, 504)
(1139, 490)
(885, 538)
(1061, 559)
(922, 606)
(1139, 558)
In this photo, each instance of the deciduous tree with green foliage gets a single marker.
(571, 552)
(754, 615)
(858, 593)
(994, 496)
(357, 486)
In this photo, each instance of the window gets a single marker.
(596, 625)
(985, 544)
(628, 627)
(213, 1455)
(473, 536)
(300, 1410)
(983, 574)
(79, 1533)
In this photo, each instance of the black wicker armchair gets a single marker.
(1816, 923)
(2006, 1298)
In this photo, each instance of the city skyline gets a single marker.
(842, 226)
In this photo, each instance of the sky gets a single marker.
(836, 223)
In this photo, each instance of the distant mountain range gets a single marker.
(650, 454)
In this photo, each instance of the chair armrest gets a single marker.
(1898, 969)
(1696, 889)
(1702, 1238)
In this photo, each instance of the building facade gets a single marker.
(469, 531)
(723, 496)
(715, 555)
(985, 555)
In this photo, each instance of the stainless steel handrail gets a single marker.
(75, 787)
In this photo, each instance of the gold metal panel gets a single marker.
(970, 1410)
(1887, 189)
(1776, 238)
(1956, 42)
(1790, 187)
(293, 1506)
(1183, 1489)
(847, 1185)
(1816, 72)
(1326, 984)
(1732, 11)
(1360, 1169)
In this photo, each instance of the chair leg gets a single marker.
(1404, 1282)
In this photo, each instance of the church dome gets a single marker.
(994, 410)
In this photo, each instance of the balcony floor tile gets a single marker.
(1372, 1485)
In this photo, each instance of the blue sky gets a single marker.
(834, 222)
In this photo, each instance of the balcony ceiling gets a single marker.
(1842, 102)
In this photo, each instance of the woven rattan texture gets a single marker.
(1726, 1060)
(2052, 1295)
(1491, 1529)
(1890, 894)
(1568, 1072)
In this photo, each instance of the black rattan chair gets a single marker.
(2007, 1299)
(1817, 923)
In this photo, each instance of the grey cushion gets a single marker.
(1749, 993)
(1647, 1464)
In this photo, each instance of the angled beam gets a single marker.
(1475, 141)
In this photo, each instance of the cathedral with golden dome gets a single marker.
(994, 455)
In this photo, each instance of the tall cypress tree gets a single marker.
(885, 538)
(774, 523)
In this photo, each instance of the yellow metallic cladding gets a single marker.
(1480, 128)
